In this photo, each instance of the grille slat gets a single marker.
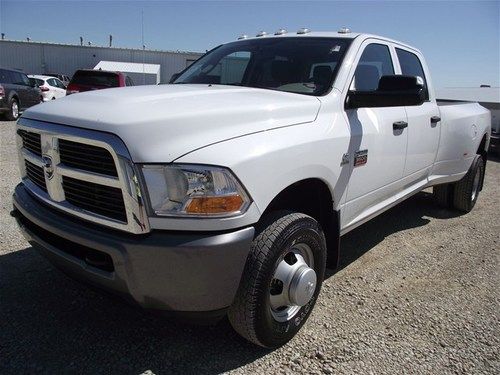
(100, 199)
(87, 157)
(31, 141)
(36, 175)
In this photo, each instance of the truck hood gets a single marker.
(162, 123)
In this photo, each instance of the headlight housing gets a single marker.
(194, 191)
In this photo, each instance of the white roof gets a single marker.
(119, 66)
(473, 94)
(39, 76)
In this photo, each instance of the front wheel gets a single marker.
(282, 279)
(13, 113)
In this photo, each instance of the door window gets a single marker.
(411, 66)
(59, 84)
(52, 82)
(374, 63)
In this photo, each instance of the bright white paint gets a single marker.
(272, 139)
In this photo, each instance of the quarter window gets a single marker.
(411, 66)
(374, 63)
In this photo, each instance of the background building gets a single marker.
(39, 58)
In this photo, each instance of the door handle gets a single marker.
(399, 125)
(435, 119)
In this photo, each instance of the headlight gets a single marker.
(191, 190)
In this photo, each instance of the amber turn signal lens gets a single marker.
(214, 205)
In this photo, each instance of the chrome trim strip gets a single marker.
(95, 178)
(31, 157)
(127, 180)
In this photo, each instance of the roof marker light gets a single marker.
(261, 33)
(243, 36)
(280, 32)
(344, 30)
(304, 30)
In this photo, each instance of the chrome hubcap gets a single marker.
(475, 184)
(15, 110)
(293, 284)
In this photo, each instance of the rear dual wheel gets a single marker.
(282, 279)
(462, 195)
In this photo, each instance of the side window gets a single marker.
(25, 80)
(17, 78)
(4, 76)
(374, 63)
(60, 84)
(411, 66)
(52, 82)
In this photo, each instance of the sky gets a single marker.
(460, 39)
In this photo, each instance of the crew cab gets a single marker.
(227, 193)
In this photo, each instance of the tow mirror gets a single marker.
(392, 91)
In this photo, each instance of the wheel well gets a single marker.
(15, 97)
(312, 197)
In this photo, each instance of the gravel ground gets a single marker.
(417, 292)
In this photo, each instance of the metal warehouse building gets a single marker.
(39, 58)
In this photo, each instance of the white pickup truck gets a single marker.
(227, 191)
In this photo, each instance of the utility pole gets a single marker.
(143, 49)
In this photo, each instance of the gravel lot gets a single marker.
(417, 292)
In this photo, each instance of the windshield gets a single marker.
(96, 78)
(299, 65)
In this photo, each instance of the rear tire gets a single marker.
(466, 191)
(13, 113)
(276, 250)
(443, 195)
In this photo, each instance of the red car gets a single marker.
(86, 80)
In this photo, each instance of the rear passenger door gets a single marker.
(423, 121)
(378, 176)
(23, 89)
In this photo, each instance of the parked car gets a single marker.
(230, 192)
(61, 77)
(16, 93)
(52, 88)
(86, 80)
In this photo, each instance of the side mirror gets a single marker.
(174, 77)
(392, 91)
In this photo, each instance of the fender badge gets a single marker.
(360, 157)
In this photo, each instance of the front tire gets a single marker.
(281, 280)
(13, 113)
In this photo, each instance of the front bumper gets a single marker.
(161, 270)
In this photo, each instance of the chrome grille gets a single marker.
(36, 175)
(104, 200)
(76, 155)
(31, 141)
(82, 172)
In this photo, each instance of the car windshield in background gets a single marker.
(292, 64)
(95, 78)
